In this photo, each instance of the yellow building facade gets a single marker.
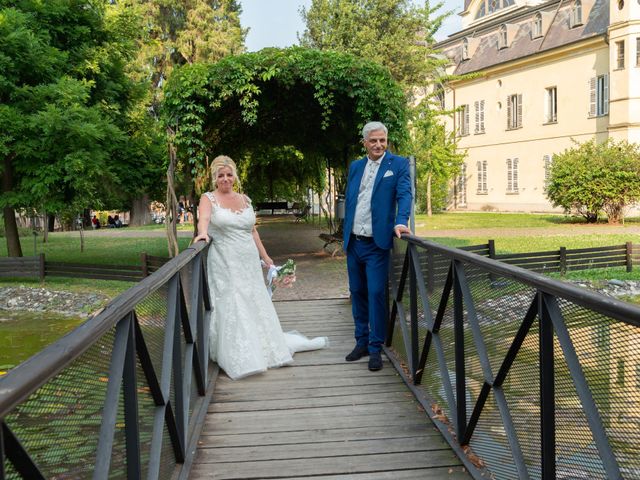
(542, 75)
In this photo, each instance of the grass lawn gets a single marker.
(540, 243)
(102, 250)
(464, 220)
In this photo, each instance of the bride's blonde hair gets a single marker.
(222, 161)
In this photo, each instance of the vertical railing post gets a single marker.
(547, 393)
(628, 257)
(563, 261)
(178, 373)
(413, 306)
(41, 270)
(131, 418)
(458, 328)
(2, 455)
(491, 247)
(145, 264)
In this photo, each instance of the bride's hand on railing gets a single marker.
(201, 237)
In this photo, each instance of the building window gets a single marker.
(463, 120)
(465, 49)
(502, 37)
(482, 177)
(514, 111)
(551, 105)
(638, 52)
(488, 7)
(536, 31)
(440, 98)
(461, 186)
(620, 54)
(638, 375)
(512, 175)
(479, 116)
(599, 96)
(548, 160)
(575, 18)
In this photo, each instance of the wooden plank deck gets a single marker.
(322, 417)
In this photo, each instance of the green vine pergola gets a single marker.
(313, 100)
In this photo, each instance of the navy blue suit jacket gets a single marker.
(390, 199)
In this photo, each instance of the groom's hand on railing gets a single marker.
(400, 229)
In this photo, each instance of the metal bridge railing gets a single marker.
(121, 396)
(526, 377)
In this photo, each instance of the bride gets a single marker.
(246, 337)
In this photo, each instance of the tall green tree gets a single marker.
(438, 159)
(181, 32)
(393, 33)
(399, 35)
(67, 107)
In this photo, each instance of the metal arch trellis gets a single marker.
(184, 356)
(542, 306)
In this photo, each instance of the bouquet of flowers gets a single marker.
(282, 276)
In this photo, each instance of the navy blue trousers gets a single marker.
(368, 267)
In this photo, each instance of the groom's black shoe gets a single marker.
(357, 353)
(375, 362)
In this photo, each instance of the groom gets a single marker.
(377, 205)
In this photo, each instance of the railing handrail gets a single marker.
(610, 306)
(27, 377)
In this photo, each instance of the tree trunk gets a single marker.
(429, 210)
(171, 206)
(140, 211)
(51, 222)
(10, 226)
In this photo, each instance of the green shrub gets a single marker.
(595, 177)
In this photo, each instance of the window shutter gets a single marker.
(484, 175)
(509, 176)
(593, 81)
(519, 117)
(466, 119)
(514, 175)
(605, 103)
(547, 167)
(509, 111)
(476, 105)
(482, 115)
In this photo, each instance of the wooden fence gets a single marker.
(561, 261)
(564, 260)
(38, 267)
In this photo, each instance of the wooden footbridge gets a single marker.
(321, 417)
(491, 371)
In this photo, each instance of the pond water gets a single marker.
(22, 334)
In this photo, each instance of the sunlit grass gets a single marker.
(464, 220)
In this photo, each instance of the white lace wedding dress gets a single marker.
(245, 334)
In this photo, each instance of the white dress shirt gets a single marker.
(362, 219)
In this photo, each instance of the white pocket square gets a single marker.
(388, 173)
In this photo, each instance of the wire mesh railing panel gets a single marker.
(490, 442)
(551, 376)
(59, 423)
(121, 408)
(608, 351)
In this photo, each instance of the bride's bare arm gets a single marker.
(204, 217)
(261, 250)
